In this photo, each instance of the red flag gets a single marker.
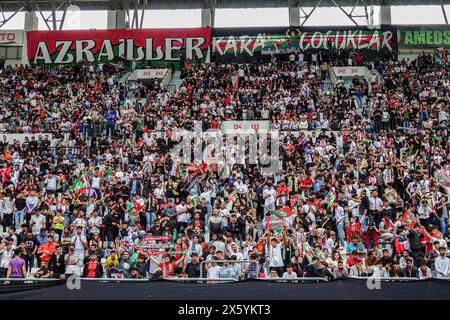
(203, 167)
(284, 212)
(192, 168)
(408, 219)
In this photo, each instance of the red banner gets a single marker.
(65, 47)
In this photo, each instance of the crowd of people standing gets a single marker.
(362, 189)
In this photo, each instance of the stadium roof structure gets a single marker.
(48, 5)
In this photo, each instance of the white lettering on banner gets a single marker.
(171, 45)
(215, 45)
(387, 36)
(42, 53)
(149, 51)
(85, 50)
(245, 43)
(375, 40)
(106, 50)
(231, 44)
(191, 47)
(61, 57)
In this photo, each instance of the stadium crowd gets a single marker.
(363, 187)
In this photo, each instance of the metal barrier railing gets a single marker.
(208, 280)
(299, 279)
(328, 86)
(201, 280)
(116, 279)
(171, 88)
(49, 280)
(241, 273)
(386, 278)
(29, 279)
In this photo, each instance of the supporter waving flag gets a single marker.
(330, 197)
(274, 223)
(284, 212)
(80, 185)
(408, 219)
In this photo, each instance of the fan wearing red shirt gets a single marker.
(305, 183)
(167, 266)
(352, 260)
(215, 124)
(47, 250)
(282, 187)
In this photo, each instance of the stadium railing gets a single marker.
(240, 274)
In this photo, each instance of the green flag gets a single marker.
(274, 223)
(80, 185)
(330, 197)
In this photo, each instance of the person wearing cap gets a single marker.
(193, 267)
(119, 274)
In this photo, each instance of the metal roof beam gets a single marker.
(45, 5)
(7, 16)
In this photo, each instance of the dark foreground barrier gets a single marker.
(342, 289)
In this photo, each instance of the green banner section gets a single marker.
(423, 37)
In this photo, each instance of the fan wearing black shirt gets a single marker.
(22, 235)
(31, 246)
(193, 267)
(386, 259)
(20, 205)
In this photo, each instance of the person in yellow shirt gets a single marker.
(112, 264)
(58, 223)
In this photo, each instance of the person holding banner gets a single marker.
(167, 265)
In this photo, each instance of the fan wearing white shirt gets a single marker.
(241, 187)
(96, 184)
(182, 215)
(94, 223)
(289, 274)
(269, 195)
(275, 258)
(51, 182)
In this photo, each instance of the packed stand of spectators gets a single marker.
(363, 180)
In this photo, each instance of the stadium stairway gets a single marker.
(175, 82)
(123, 77)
